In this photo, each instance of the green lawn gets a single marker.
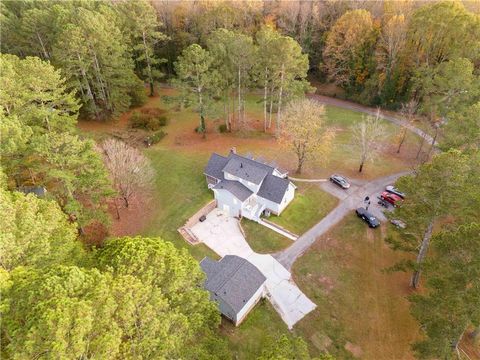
(262, 239)
(247, 341)
(357, 302)
(308, 207)
(180, 191)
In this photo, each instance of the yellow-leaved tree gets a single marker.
(303, 130)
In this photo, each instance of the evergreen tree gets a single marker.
(34, 232)
(93, 57)
(453, 283)
(197, 81)
(140, 25)
(438, 189)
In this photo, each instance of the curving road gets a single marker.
(345, 104)
(349, 200)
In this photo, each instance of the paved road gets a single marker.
(349, 200)
(370, 111)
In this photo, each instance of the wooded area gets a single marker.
(142, 297)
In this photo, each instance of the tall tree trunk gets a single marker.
(265, 101)
(103, 90)
(233, 110)
(239, 105)
(422, 254)
(404, 135)
(420, 147)
(271, 109)
(433, 142)
(88, 88)
(280, 94)
(361, 166)
(44, 50)
(202, 113)
(149, 67)
(226, 110)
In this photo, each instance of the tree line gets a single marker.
(234, 63)
(105, 50)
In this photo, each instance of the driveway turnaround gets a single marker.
(222, 234)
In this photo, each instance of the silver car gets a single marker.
(340, 181)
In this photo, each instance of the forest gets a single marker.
(141, 297)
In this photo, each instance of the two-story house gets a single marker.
(246, 187)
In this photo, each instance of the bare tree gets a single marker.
(408, 111)
(129, 169)
(303, 130)
(367, 136)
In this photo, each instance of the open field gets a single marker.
(343, 274)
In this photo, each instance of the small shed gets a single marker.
(235, 284)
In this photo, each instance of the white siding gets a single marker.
(288, 197)
(278, 208)
(225, 200)
(250, 304)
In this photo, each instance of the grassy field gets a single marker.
(262, 239)
(179, 192)
(308, 207)
(359, 306)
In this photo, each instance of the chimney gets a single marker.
(233, 150)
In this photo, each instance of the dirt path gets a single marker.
(348, 202)
(345, 104)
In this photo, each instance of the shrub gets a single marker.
(155, 138)
(222, 128)
(149, 119)
(162, 120)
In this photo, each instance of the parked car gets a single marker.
(340, 181)
(371, 220)
(398, 223)
(393, 199)
(392, 190)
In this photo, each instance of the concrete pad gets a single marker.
(222, 234)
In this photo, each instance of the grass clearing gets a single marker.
(247, 341)
(308, 207)
(343, 274)
(262, 239)
(180, 190)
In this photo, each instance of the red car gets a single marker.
(393, 199)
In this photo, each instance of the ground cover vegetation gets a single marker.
(142, 296)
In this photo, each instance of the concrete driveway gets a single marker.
(222, 234)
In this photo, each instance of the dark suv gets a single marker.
(367, 217)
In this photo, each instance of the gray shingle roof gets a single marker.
(241, 192)
(215, 166)
(273, 188)
(247, 169)
(232, 279)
